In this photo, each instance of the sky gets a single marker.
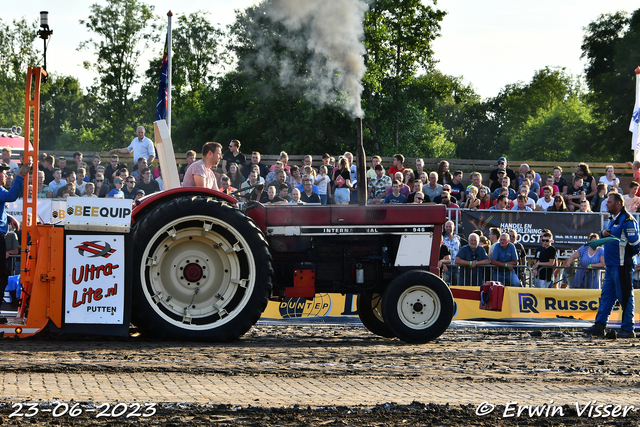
(490, 43)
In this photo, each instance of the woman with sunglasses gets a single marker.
(590, 261)
(558, 205)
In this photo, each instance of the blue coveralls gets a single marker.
(6, 196)
(618, 279)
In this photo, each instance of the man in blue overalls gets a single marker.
(8, 196)
(618, 279)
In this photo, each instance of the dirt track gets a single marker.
(499, 360)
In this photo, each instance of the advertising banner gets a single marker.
(100, 213)
(44, 210)
(94, 285)
(570, 231)
(323, 305)
(534, 303)
(518, 303)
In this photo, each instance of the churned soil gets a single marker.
(460, 356)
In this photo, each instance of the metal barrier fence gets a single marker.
(458, 275)
(561, 277)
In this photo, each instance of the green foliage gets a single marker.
(198, 56)
(562, 131)
(63, 108)
(123, 30)
(610, 46)
(17, 54)
(490, 128)
(265, 100)
(398, 39)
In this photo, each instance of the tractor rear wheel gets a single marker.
(370, 313)
(202, 270)
(417, 306)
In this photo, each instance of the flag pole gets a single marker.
(169, 15)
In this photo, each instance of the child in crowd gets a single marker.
(322, 182)
(631, 200)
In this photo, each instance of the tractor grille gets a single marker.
(376, 215)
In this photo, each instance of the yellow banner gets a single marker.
(519, 303)
(323, 305)
(534, 303)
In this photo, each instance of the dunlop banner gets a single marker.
(570, 231)
(323, 305)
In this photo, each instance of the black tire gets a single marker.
(370, 313)
(202, 271)
(417, 306)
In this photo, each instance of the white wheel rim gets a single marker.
(419, 307)
(198, 277)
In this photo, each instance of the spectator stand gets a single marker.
(623, 171)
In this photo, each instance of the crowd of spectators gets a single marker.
(497, 256)
(500, 257)
(334, 181)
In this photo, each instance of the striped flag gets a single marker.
(635, 118)
(161, 105)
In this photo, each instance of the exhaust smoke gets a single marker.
(333, 33)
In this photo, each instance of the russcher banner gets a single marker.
(534, 303)
(570, 231)
(519, 303)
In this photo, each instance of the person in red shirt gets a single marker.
(398, 166)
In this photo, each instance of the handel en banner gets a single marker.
(570, 231)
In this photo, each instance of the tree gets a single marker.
(198, 60)
(198, 55)
(610, 46)
(563, 131)
(398, 39)
(488, 128)
(123, 30)
(63, 109)
(264, 102)
(18, 53)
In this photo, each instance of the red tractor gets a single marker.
(190, 263)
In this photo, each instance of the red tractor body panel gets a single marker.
(339, 241)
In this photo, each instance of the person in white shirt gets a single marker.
(322, 181)
(610, 178)
(547, 201)
(141, 147)
(6, 157)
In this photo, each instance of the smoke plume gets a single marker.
(333, 33)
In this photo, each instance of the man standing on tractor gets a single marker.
(8, 196)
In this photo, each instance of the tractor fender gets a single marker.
(149, 202)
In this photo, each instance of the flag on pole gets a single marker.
(161, 105)
(635, 118)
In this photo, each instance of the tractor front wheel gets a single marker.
(417, 306)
